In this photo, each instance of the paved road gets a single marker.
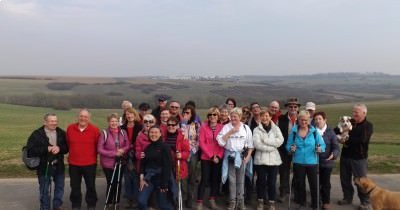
(22, 194)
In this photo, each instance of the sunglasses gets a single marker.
(148, 121)
(213, 114)
(172, 125)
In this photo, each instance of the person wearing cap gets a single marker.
(310, 107)
(162, 104)
(286, 122)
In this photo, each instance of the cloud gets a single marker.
(22, 8)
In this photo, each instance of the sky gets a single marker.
(127, 38)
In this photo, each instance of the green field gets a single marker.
(17, 122)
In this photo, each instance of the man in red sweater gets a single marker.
(82, 140)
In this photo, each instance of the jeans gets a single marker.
(45, 194)
(164, 202)
(266, 179)
(89, 175)
(236, 181)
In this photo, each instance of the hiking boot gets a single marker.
(344, 202)
(260, 204)
(231, 205)
(363, 207)
(213, 205)
(199, 206)
(240, 205)
(326, 206)
(271, 205)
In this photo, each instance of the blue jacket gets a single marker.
(305, 148)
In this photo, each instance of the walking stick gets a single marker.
(290, 185)
(180, 206)
(318, 188)
(116, 203)
(110, 185)
(45, 181)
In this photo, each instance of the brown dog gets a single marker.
(380, 198)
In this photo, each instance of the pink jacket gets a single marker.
(141, 144)
(208, 144)
(107, 148)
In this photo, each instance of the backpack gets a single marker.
(32, 163)
(105, 133)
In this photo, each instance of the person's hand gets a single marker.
(178, 155)
(163, 190)
(245, 160)
(293, 148)
(142, 155)
(55, 150)
(216, 160)
(318, 149)
(234, 130)
(120, 152)
(330, 157)
(143, 184)
(49, 148)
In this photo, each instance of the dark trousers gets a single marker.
(131, 184)
(284, 173)
(89, 175)
(348, 169)
(164, 203)
(299, 173)
(325, 184)
(266, 179)
(114, 183)
(209, 174)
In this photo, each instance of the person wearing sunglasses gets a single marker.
(180, 151)
(211, 156)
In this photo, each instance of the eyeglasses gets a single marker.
(213, 114)
(174, 107)
(148, 121)
(172, 125)
(231, 104)
(293, 107)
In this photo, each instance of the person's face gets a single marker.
(273, 108)
(358, 114)
(224, 114)
(311, 112)
(187, 114)
(143, 112)
(162, 103)
(303, 121)
(130, 117)
(148, 123)
(172, 126)
(255, 109)
(83, 118)
(213, 117)
(164, 115)
(113, 123)
(293, 109)
(51, 123)
(154, 134)
(174, 108)
(235, 119)
(230, 104)
(265, 118)
(319, 121)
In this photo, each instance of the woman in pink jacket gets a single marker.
(112, 145)
(211, 156)
(142, 141)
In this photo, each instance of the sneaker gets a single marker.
(363, 207)
(344, 202)
(232, 205)
(260, 204)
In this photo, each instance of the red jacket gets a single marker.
(82, 145)
(141, 144)
(182, 145)
(207, 142)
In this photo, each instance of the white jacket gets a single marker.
(266, 145)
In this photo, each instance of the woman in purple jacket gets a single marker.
(112, 145)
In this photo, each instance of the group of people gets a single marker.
(157, 157)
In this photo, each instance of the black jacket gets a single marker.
(37, 145)
(283, 123)
(357, 145)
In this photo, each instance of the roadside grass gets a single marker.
(17, 123)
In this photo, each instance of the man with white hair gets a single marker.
(354, 157)
(275, 111)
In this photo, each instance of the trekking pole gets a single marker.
(116, 203)
(290, 185)
(318, 187)
(45, 181)
(180, 206)
(110, 185)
